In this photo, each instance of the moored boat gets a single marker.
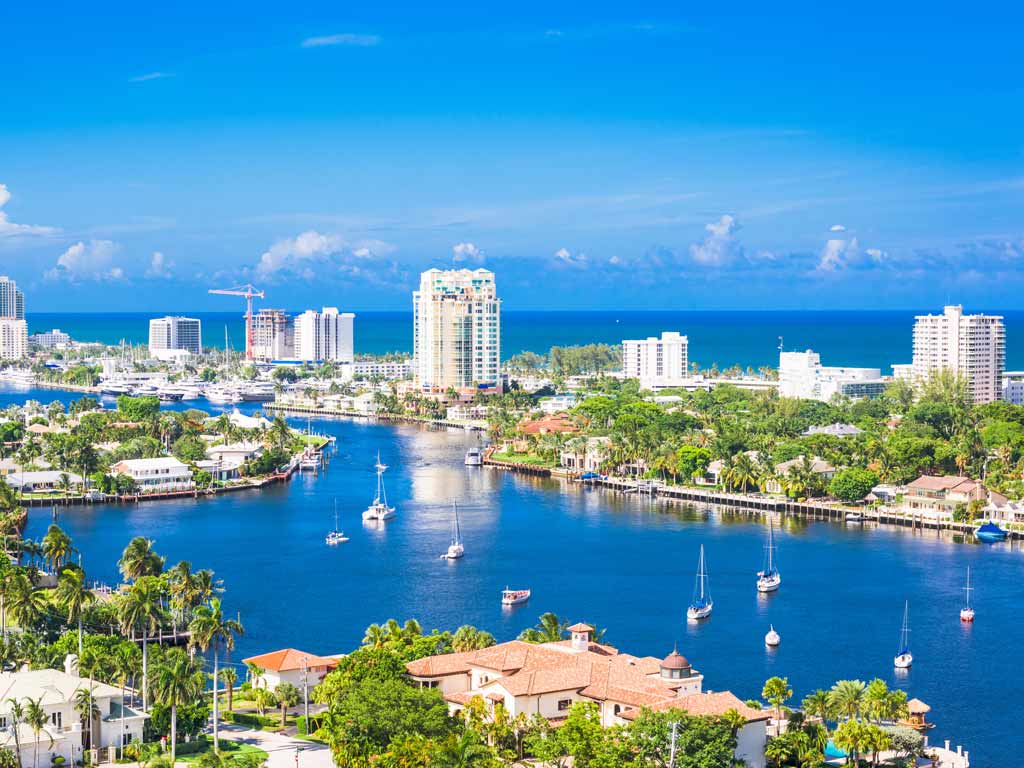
(854, 517)
(990, 533)
(379, 509)
(514, 596)
(773, 638)
(337, 536)
(701, 605)
(904, 658)
(455, 549)
(967, 612)
(474, 458)
(769, 579)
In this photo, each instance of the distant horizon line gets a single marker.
(357, 312)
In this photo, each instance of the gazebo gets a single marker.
(917, 715)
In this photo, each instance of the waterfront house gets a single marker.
(585, 454)
(235, 452)
(288, 666)
(65, 735)
(818, 467)
(557, 403)
(221, 470)
(164, 473)
(242, 421)
(548, 678)
(553, 424)
(466, 412)
(42, 481)
(938, 497)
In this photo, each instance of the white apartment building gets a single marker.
(324, 336)
(657, 363)
(273, 336)
(50, 339)
(12, 300)
(170, 336)
(13, 339)
(385, 369)
(802, 375)
(973, 346)
(456, 330)
(163, 473)
(1012, 387)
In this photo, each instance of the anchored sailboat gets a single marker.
(967, 613)
(379, 509)
(336, 536)
(769, 579)
(455, 549)
(702, 604)
(904, 658)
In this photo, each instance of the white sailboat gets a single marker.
(904, 658)
(702, 604)
(769, 579)
(336, 536)
(967, 613)
(773, 638)
(379, 509)
(455, 549)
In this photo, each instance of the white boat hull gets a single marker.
(517, 599)
(772, 639)
(967, 614)
(455, 551)
(903, 661)
(696, 614)
(768, 583)
(379, 512)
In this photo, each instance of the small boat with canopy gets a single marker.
(990, 533)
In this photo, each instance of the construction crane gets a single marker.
(250, 292)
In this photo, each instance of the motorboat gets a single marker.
(904, 658)
(221, 395)
(990, 533)
(702, 604)
(514, 596)
(168, 395)
(854, 517)
(773, 638)
(310, 461)
(474, 458)
(769, 578)
(967, 612)
(455, 549)
(379, 509)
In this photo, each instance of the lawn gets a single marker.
(523, 458)
(226, 746)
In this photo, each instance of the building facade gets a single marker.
(273, 336)
(55, 339)
(1013, 387)
(156, 475)
(290, 666)
(324, 336)
(802, 375)
(170, 335)
(973, 346)
(12, 300)
(457, 330)
(656, 362)
(13, 339)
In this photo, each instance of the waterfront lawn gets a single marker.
(524, 458)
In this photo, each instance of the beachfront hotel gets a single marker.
(657, 362)
(802, 375)
(171, 337)
(456, 330)
(548, 678)
(974, 346)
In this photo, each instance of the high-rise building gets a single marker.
(273, 336)
(457, 330)
(657, 362)
(324, 336)
(170, 336)
(13, 338)
(801, 374)
(12, 301)
(973, 346)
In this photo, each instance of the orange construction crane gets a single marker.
(250, 292)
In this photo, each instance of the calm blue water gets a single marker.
(876, 339)
(626, 564)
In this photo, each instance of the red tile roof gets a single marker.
(704, 704)
(557, 422)
(288, 659)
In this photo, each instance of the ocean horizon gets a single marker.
(870, 338)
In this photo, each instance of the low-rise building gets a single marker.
(235, 452)
(802, 375)
(818, 467)
(834, 430)
(558, 403)
(1012, 386)
(164, 473)
(382, 369)
(557, 423)
(41, 481)
(220, 470)
(289, 666)
(466, 412)
(939, 496)
(55, 339)
(585, 454)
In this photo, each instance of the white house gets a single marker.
(39, 481)
(116, 724)
(585, 454)
(242, 421)
(222, 470)
(164, 473)
(288, 666)
(235, 452)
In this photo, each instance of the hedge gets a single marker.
(253, 721)
(303, 730)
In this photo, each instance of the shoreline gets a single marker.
(321, 413)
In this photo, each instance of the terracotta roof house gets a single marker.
(818, 467)
(939, 496)
(548, 678)
(555, 423)
(287, 665)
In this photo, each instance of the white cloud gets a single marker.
(467, 252)
(720, 245)
(313, 255)
(839, 254)
(345, 38)
(9, 229)
(92, 261)
(150, 76)
(837, 228)
(565, 258)
(159, 267)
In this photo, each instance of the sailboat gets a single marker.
(336, 536)
(904, 658)
(769, 579)
(967, 613)
(772, 638)
(455, 549)
(379, 509)
(702, 604)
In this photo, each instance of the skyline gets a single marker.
(650, 158)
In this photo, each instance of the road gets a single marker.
(281, 750)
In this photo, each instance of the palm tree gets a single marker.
(85, 706)
(35, 718)
(139, 559)
(255, 672)
(183, 588)
(210, 629)
(125, 661)
(23, 602)
(776, 691)
(16, 713)
(287, 696)
(469, 638)
(846, 698)
(549, 629)
(465, 751)
(817, 705)
(142, 609)
(229, 677)
(280, 433)
(177, 682)
(375, 636)
(56, 547)
(74, 597)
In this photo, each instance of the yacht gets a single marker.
(702, 604)
(310, 461)
(474, 458)
(257, 392)
(967, 613)
(904, 658)
(854, 517)
(514, 596)
(337, 536)
(769, 579)
(379, 509)
(455, 549)
(773, 638)
(222, 395)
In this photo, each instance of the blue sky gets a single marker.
(593, 155)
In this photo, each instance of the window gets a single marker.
(55, 719)
(564, 704)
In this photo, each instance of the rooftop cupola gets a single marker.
(581, 634)
(675, 666)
